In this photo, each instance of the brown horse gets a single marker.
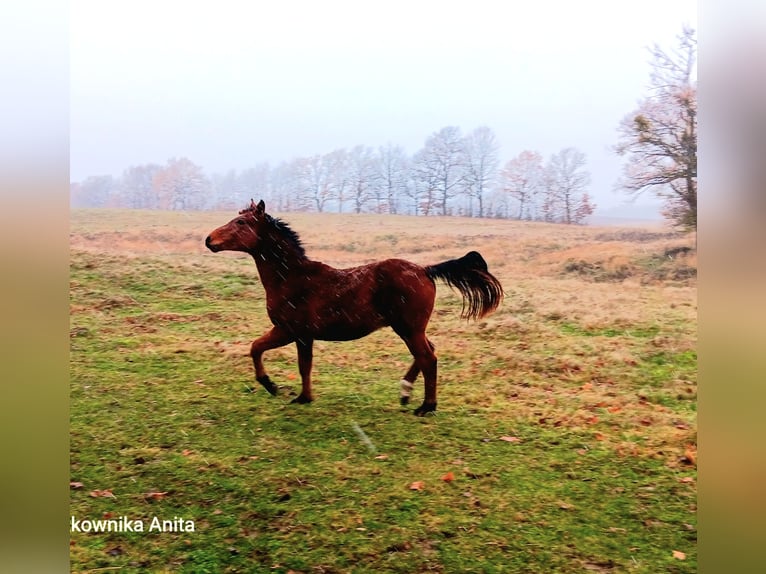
(308, 300)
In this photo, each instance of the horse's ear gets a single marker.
(260, 209)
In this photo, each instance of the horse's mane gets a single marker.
(283, 229)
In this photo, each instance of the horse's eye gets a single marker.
(240, 221)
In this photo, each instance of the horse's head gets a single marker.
(241, 233)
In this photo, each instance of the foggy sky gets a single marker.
(231, 84)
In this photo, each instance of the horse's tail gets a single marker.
(481, 290)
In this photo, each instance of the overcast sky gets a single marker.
(229, 84)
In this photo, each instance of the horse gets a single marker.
(307, 300)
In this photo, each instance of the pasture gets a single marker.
(564, 440)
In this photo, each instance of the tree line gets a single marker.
(453, 174)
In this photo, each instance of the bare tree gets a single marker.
(337, 165)
(480, 162)
(522, 178)
(317, 186)
(423, 183)
(227, 191)
(660, 137)
(94, 191)
(440, 168)
(362, 176)
(135, 187)
(566, 181)
(255, 182)
(391, 164)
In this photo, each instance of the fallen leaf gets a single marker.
(155, 495)
(598, 436)
(101, 493)
(217, 511)
(417, 485)
(565, 506)
(381, 457)
(449, 477)
(679, 555)
(75, 485)
(686, 479)
(510, 438)
(186, 452)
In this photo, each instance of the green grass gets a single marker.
(597, 477)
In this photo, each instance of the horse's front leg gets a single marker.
(305, 359)
(271, 340)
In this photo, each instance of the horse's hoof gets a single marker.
(301, 400)
(404, 401)
(268, 385)
(424, 409)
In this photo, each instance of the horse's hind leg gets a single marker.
(405, 385)
(271, 340)
(425, 361)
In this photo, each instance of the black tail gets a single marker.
(481, 290)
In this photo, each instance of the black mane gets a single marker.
(287, 234)
(282, 229)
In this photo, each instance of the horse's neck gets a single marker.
(276, 264)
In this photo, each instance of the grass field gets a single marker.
(565, 439)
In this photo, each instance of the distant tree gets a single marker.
(441, 168)
(423, 183)
(522, 178)
(480, 157)
(362, 176)
(391, 166)
(181, 185)
(255, 183)
(317, 184)
(566, 199)
(136, 189)
(660, 137)
(94, 191)
(227, 191)
(337, 165)
(284, 181)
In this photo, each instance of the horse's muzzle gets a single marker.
(209, 244)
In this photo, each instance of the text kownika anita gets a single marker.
(125, 524)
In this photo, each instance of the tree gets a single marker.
(181, 185)
(336, 163)
(522, 179)
(440, 168)
(318, 189)
(566, 199)
(94, 191)
(392, 170)
(480, 151)
(660, 137)
(136, 187)
(362, 176)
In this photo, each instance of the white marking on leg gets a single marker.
(405, 388)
